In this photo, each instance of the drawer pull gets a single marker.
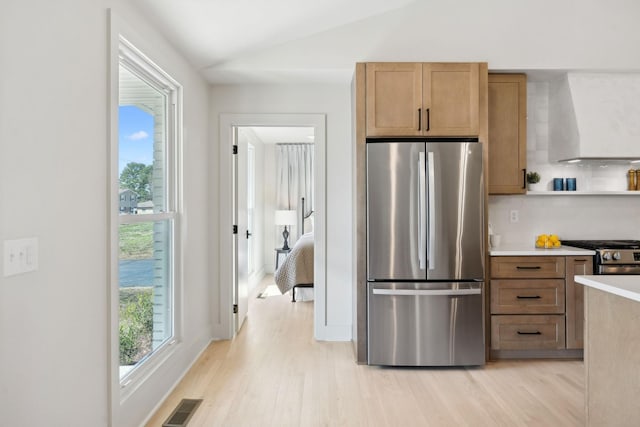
(536, 267)
(581, 260)
(529, 333)
(528, 297)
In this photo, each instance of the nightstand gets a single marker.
(280, 251)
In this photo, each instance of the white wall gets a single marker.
(332, 100)
(571, 217)
(53, 183)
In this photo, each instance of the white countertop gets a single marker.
(624, 286)
(531, 250)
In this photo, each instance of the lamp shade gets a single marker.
(286, 217)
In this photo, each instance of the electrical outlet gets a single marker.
(20, 256)
(514, 216)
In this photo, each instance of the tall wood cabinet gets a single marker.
(508, 133)
(422, 99)
(399, 99)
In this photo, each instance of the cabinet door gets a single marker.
(393, 99)
(451, 99)
(507, 133)
(575, 300)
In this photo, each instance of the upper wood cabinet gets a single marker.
(507, 133)
(394, 99)
(451, 99)
(416, 99)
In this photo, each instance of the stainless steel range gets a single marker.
(612, 256)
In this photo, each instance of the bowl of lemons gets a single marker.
(548, 241)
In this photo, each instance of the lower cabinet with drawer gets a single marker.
(523, 332)
(535, 309)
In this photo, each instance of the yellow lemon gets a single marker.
(556, 244)
(553, 238)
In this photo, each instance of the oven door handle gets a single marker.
(619, 269)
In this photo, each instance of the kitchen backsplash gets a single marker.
(589, 176)
(571, 217)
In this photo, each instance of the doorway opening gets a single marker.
(274, 212)
(255, 206)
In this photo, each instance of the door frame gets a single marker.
(223, 301)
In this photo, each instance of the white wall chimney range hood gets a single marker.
(594, 117)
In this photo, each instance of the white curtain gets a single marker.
(294, 180)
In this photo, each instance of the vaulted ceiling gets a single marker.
(231, 41)
(310, 41)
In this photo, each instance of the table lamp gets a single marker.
(285, 218)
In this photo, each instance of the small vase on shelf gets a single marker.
(535, 187)
(533, 182)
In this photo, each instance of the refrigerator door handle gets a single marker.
(422, 211)
(431, 212)
(426, 292)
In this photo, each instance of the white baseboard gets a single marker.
(333, 333)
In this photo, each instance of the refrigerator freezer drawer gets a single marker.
(425, 324)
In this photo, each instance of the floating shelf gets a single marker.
(583, 193)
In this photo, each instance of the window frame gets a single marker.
(140, 65)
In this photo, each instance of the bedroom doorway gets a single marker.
(274, 198)
(259, 243)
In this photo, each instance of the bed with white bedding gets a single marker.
(297, 269)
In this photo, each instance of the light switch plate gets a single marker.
(20, 256)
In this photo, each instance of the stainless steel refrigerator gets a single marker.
(425, 252)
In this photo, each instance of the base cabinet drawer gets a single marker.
(530, 296)
(527, 332)
(528, 267)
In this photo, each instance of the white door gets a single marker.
(241, 277)
(251, 204)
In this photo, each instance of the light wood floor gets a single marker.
(275, 374)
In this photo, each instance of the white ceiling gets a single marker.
(222, 38)
(319, 41)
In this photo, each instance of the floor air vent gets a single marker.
(183, 412)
